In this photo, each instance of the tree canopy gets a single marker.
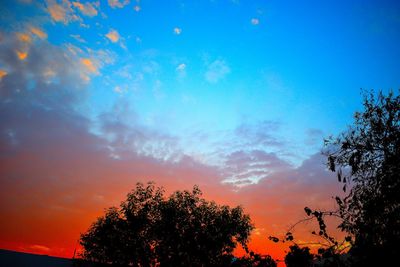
(366, 159)
(184, 229)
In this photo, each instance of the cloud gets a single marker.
(113, 36)
(118, 89)
(181, 70)
(38, 32)
(40, 248)
(88, 9)
(216, 71)
(249, 167)
(259, 135)
(21, 54)
(43, 70)
(118, 3)
(177, 31)
(78, 38)
(89, 65)
(137, 8)
(255, 21)
(23, 37)
(181, 67)
(61, 12)
(2, 73)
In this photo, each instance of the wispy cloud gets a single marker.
(61, 11)
(40, 248)
(78, 38)
(89, 65)
(23, 37)
(216, 71)
(38, 32)
(118, 3)
(2, 73)
(137, 8)
(87, 9)
(181, 70)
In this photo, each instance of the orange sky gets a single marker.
(58, 195)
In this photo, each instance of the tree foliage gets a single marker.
(182, 230)
(366, 159)
(254, 260)
(298, 257)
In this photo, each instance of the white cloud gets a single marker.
(255, 21)
(118, 89)
(181, 67)
(177, 30)
(181, 70)
(216, 71)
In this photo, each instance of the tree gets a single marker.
(298, 257)
(182, 230)
(254, 260)
(366, 159)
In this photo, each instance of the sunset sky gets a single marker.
(235, 96)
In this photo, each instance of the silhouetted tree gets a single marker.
(182, 230)
(253, 260)
(298, 257)
(366, 159)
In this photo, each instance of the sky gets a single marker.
(234, 96)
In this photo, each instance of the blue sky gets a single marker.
(240, 91)
(191, 67)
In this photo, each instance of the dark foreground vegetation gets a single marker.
(184, 229)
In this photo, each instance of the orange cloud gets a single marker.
(23, 37)
(89, 65)
(21, 55)
(117, 3)
(88, 9)
(38, 32)
(2, 73)
(61, 12)
(57, 12)
(113, 35)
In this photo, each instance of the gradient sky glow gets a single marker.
(233, 95)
